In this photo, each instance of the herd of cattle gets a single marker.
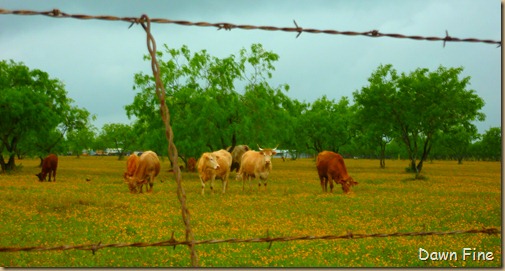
(141, 170)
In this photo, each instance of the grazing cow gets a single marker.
(257, 165)
(148, 167)
(236, 155)
(191, 164)
(214, 165)
(331, 167)
(131, 166)
(49, 165)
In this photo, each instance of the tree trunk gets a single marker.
(383, 155)
(10, 165)
(382, 162)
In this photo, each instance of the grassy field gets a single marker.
(73, 211)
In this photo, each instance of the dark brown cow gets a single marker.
(236, 156)
(191, 164)
(49, 165)
(257, 165)
(331, 167)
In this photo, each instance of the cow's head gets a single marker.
(41, 176)
(347, 184)
(211, 160)
(131, 183)
(134, 184)
(267, 153)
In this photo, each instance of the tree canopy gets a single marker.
(35, 112)
(220, 102)
(418, 105)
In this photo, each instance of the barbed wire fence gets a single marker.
(145, 22)
(56, 13)
(173, 242)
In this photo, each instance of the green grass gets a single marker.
(75, 212)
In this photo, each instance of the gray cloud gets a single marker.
(97, 59)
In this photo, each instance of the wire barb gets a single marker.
(299, 29)
(96, 247)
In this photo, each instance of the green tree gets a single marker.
(119, 136)
(372, 117)
(420, 105)
(43, 142)
(457, 140)
(35, 112)
(328, 124)
(491, 144)
(292, 130)
(208, 112)
(81, 139)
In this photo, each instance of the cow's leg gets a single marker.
(212, 184)
(244, 177)
(259, 181)
(323, 182)
(139, 186)
(54, 175)
(150, 183)
(329, 178)
(203, 186)
(250, 184)
(225, 182)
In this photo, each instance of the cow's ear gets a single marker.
(274, 153)
(261, 152)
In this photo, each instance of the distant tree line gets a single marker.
(219, 102)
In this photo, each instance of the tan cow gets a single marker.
(131, 166)
(148, 168)
(331, 167)
(257, 165)
(49, 165)
(236, 155)
(214, 165)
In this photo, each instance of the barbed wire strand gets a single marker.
(172, 150)
(56, 13)
(173, 242)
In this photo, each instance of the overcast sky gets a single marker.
(97, 59)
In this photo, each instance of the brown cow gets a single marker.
(49, 165)
(191, 164)
(256, 164)
(148, 168)
(214, 165)
(331, 167)
(236, 155)
(131, 166)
